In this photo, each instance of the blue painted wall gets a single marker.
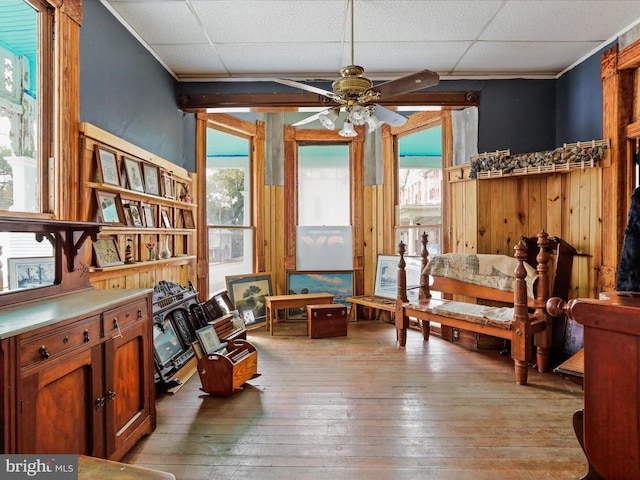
(125, 91)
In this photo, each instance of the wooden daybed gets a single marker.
(524, 321)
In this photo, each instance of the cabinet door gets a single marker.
(61, 406)
(128, 378)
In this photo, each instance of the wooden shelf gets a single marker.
(143, 197)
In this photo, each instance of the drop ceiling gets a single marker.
(236, 40)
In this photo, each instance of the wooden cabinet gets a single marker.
(609, 426)
(84, 380)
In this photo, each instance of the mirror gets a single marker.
(27, 260)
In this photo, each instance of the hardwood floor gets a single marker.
(360, 407)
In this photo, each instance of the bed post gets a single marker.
(521, 329)
(424, 279)
(402, 321)
(543, 338)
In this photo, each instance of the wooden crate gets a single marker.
(329, 320)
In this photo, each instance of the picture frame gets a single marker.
(337, 282)
(386, 282)
(107, 160)
(31, 272)
(127, 215)
(110, 207)
(166, 222)
(208, 339)
(247, 293)
(107, 253)
(187, 219)
(167, 186)
(134, 174)
(147, 215)
(151, 175)
(136, 216)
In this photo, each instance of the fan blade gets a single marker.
(310, 118)
(407, 84)
(389, 116)
(310, 88)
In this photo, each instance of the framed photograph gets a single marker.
(107, 165)
(187, 219)
(223, 300)
(151, 175)
(337, 282)
(166, 222)
(127, 215)
(107, 253)
(167, 186)
(110, 207)
(134, 174)
(136, 217)
(208, 339)
(31, 272)
(247, 294)
(387, 276)
(147, 215)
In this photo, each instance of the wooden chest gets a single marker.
(327, 320)
(472, 340)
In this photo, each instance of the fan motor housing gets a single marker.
(352, 81)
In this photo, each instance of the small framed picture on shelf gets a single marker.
(166, 221)
(107, 165)
(187, 219)
(107, 253)
(134, 174)
(147, 213)
(151, 179)
(110, 207)
(127, 215)
(136, 217)
(167, 186)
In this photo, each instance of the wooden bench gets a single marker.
(525, 320)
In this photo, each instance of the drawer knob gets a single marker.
(44, 352)
(139, 313)
(86, 336)
(110, 396)
(65, 340)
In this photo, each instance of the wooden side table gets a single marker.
(280, 302)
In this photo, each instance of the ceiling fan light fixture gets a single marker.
(374, 123)
(358, 115)
(328, 119)
(348, 130)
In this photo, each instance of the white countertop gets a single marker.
(29, 316)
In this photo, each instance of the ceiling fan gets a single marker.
(356, 95)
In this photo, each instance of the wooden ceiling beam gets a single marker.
(291, 101)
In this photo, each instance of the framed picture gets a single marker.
(151, 175)
(107, 165)
(387, 276)
(110, 207)
(167, 186)
(127, 215)
(31, 272)
(107, 253)
(147, 215)
(187, 219)
(338, 282)
(166, 222)
(208, 339)
(136, 217)
(247, 294)
(134, 174)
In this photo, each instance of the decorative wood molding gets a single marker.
(630, 56)
(609, 63)
(71, 8)
(290, 101)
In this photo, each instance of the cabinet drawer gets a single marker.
(123, 316)
(55, 342)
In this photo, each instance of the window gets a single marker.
(228, 204)
(419, 189)
(27, 69)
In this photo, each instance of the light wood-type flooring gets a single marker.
(360, 407)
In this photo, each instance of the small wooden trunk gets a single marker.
(472, 340)
(327, 320)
